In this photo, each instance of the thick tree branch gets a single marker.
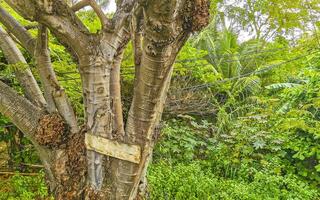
(115, 92)
(22, 71)
(167, 25)
(47, 75)
(54, 93)
(96, 72)
(59, 18)
(26, 117)
(136, 35)
(43, 63)
(148, 101)
(19, 110)
(122, 17)
(105, 22)
(18, 31)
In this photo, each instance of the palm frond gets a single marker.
(279, 86)
(246, 87)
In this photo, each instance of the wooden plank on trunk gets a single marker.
(131, 153)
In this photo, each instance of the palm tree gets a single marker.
(231, 60)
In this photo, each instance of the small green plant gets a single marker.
(194, 182)
(24, 188)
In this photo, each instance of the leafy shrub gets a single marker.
(269, 153)
(23, 188)
(191, 181)
(183, 141)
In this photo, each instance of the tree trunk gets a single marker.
(76, 171)
(95, 72)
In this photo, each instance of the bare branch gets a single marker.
(54, 93)
(136, 32)
(21, 33)
(115, 93)
(19, 110)
(149, 99)
(22, 71)
(25, 116)
(81, 4)
(105, 22)
(59, 18)
(46, 72)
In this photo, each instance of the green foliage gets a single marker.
(90, 20)
(262, 139)
(267, 151)
(268, 18)
(279, 86)
(23, 188)
(182, 142)
(298, 120)
(192, 181)
(253, 161)
(192, 62)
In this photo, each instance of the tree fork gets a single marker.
(159, 30)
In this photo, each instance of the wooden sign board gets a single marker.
(131, 153)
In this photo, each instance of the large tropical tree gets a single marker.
(266, 19)
(106, 157)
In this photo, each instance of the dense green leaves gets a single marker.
(24, 188)
(194, 182)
